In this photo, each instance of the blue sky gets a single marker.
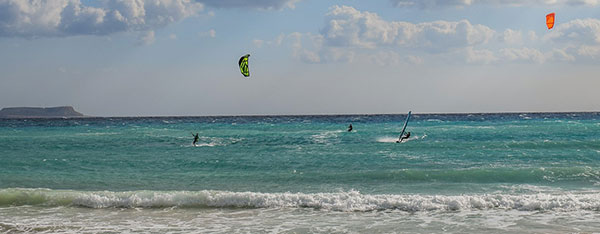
(179, 57)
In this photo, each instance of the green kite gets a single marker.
(244, 65)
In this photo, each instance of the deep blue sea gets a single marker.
(498, 173)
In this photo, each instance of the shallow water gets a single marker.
(533, 172)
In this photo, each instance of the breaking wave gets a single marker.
(341, 201)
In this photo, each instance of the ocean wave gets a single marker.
(341, 201)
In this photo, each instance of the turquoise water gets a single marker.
(491, 166)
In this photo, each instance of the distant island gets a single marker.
(39, 112)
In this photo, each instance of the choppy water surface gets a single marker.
(533, 172)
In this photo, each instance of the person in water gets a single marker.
(195, 139)
(406, 136)
(350, 128)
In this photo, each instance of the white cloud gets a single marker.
(582, 2)
(337, 54)
(579, 31)
(299, 52)
(569, 41)
(309, 48)
(482, 56)
(278, 40)
(385, 58)
(561, 55)
(258, 43)
(580, 37)
(146, 38)
(532, 36)
(589, 51)
(210, 33)
(523, 54)
(275, 42)
(349, 33)
(349, 27)
(34, 18)
(512, 36)
(307, 56)
(512, 3)
(415, 59)
(261, 4)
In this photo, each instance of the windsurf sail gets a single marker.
(243, 63)
(404, 128)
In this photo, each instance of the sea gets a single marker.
(457, 173)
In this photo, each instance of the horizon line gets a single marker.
(301, 115)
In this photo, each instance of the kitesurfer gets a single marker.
(350, 128)
(406, 136)
(195, 139)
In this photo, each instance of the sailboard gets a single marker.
(404, 128)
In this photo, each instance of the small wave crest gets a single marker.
(394, 139)
(342, 201)
(213, 141)
(326, 136)
(387, 139)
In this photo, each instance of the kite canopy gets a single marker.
(550, 20)
(244, 65)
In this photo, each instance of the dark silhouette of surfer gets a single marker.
(406, 136)
(195, 139)
(350, 128)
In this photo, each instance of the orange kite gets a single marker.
(550, 20)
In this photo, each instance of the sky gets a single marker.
(179, 57)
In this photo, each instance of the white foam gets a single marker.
(389, 139)
(206, 144)
(477, 127)
(97, 133)
(288, 220)
(213, 141)
(326, 136)
(342, 201)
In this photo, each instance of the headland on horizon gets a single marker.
(39, 112)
